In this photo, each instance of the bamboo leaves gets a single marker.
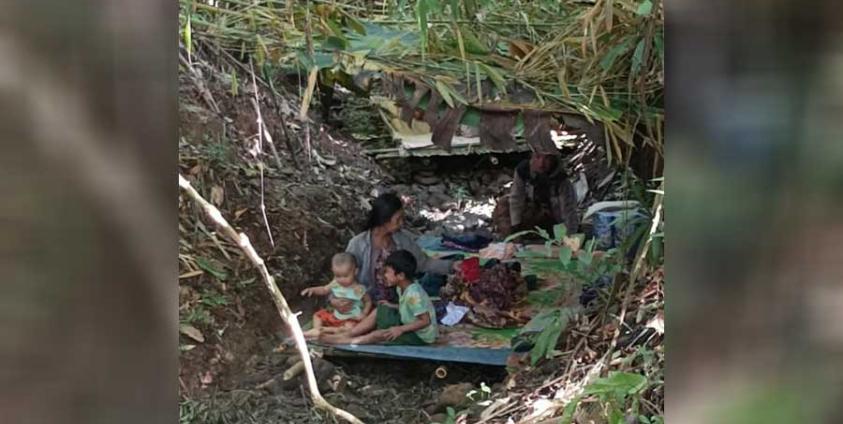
(353, 22)
(473, 44)
(546, 341)
(337, 38)
(645, 8)
(188, 36)
(638, 57)
(423, 9)
(658, 42)
(451, 96)
(494, 76)
(445, 92)
(616, 51)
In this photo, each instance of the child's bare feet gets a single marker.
(312, 334)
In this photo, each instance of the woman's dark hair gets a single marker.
(383, 209)
(402, 262)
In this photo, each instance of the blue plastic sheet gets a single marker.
(471, 355)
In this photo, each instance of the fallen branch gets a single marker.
(293, 371)
(280, 302)
(266, 383)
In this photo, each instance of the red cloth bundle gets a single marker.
(470, 269)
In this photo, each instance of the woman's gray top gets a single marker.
(361, 247)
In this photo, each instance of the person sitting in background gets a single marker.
(411, 322)
(541, 196)
(344, 286)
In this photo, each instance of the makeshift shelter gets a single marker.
(501, 73)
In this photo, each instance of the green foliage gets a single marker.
(453, 415)
(188, 412)
(617, 385)
(423, 9)
(544, 298)
(651, 420)
(585, 266)
(494, 334)
(213, 298)
(196, 315)
(644, 8)
(613, 54)
(364, 124)
(234, 84)
(617, 393)
(219, 152)
(199, 314)
(638, 57)
(187, 35)
(549, 336)
(212, 267)
(648, 361)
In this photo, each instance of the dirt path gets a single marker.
(377, 391)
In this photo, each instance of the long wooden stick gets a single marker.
(280, 302)
(259, 155)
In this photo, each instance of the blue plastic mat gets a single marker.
(433, 353)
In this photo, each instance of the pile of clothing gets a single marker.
(491, 292)
(503, 251)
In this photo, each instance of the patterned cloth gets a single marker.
(354, 292)
(379, 290)
(330, 320)
(414, 302)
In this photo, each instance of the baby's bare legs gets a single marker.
(332, 330)
(376, 336)
(344, 328)
(316, 330)
(357, 334)
(366, 325)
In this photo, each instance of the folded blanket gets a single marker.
(472, 241)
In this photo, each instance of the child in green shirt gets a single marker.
(412, 322)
